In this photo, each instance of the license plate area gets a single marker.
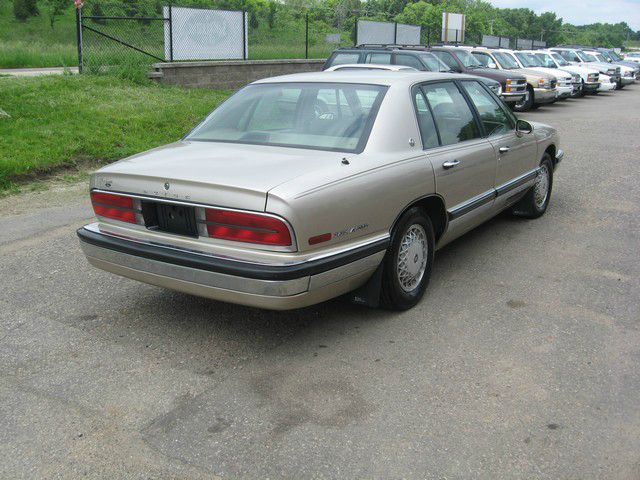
(170, 218)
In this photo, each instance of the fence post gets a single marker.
(170, 32)
(244, 35)
(355, 31)
(395, 32)
(306, 35)
(79, 37)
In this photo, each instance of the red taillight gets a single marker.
(116, 207)
(247, 227)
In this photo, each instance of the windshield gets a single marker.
(433, 63)
(614, 56)
(506, 61)
(322, 116)
(560, 60)
(467, 59)
(528, 59)
(606, 55)
(546, 60)
(585, 57)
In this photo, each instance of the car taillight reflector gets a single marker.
(116, 207)
(325, 237)
(246, 227)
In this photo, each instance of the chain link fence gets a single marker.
(116, 33)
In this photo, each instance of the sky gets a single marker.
(581, 12)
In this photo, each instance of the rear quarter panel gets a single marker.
(363, 198)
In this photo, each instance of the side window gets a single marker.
(426, 124)
(493, 117)
(344, 58)
(451, 113)
(409, 61)
(485, 60)
(447, 58)
(379, 58)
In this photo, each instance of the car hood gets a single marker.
(555, 72)
(499, 75)
(223, 174)
(530, 72)
(579, 70)
(599, 65)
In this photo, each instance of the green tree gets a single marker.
(23, 9)
(55, 8)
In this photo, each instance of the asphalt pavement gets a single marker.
(521, 361)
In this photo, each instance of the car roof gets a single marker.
(375, 77)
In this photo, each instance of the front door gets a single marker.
(516, 153)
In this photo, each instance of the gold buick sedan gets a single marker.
(304, 187)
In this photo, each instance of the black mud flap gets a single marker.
(368, 295)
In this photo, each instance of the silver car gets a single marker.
(301, 188)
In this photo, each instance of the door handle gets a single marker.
(504, 149)
(450, 164)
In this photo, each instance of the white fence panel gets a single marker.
(202, 34)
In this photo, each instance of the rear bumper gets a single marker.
(276, 287)
(544, 95)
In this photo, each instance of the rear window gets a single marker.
(322, 116)
(344, 58)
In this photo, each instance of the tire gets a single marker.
(582, 92)
(528, 103)
(412, 239)
(534, 204)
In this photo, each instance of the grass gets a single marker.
(55, 122)
(35, 44)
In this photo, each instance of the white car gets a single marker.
(583, 59)
(529, 60)
(632, 57)
(589, 77)
(627, 73)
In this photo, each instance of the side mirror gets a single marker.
(523, 127)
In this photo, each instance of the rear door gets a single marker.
(464, 162)
(516, 153)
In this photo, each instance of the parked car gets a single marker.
(578, 57)
(409, 56)
(627, 74)
(589, 77)
(513, 85)
(541, 87)
(611, 56)
(632, 57)
(567, 84)
(304, 187)
(370, 66)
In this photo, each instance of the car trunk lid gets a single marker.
(212, 173)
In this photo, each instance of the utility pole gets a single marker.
(541, 34)
(491, 27)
